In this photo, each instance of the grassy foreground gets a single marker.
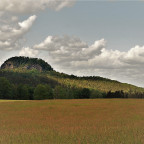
(100, 121)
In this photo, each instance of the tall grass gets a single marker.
(101, 121)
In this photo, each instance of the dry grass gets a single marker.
(101, 121)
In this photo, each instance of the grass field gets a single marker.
(100, 121)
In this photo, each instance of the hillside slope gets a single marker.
(93, 82)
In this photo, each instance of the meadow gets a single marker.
(97, 121)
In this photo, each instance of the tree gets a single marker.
(60, 93)
(69, 92)
(76, 93)
(5, 89)
(14, 92)
(96, 94)
(85, 93)
(49, 92)
(22, 92)
(42, 92)
(31, 92)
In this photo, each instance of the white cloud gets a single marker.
(68, 49)
(26, 51)
(11, 35)
(96, 48)
(27, 23)
(32, 6)
(135, 56)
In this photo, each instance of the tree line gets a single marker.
(45, 91)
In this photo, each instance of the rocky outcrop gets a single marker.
(7, 65)
(36, 67)
(10, 65)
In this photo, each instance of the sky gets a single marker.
(98, 38)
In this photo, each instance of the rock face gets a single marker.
(7, 65)
(10, 66)
(36, 67)
(25, 63)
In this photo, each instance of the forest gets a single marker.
(59, 91)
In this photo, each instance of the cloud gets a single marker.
(65, 42)
(95, 49)
(74, 56)
(68, 49)
(11, 35)
(26, 51)
(27, 23)
(134, 56)
(32, 6)
(11, 31)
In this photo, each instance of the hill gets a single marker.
(32, 72)
(26, 63)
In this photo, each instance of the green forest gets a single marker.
(24, 78)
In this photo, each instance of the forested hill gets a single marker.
(26, 63)
(23, 73)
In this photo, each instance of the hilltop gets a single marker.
(32, 72)
(26, 63)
